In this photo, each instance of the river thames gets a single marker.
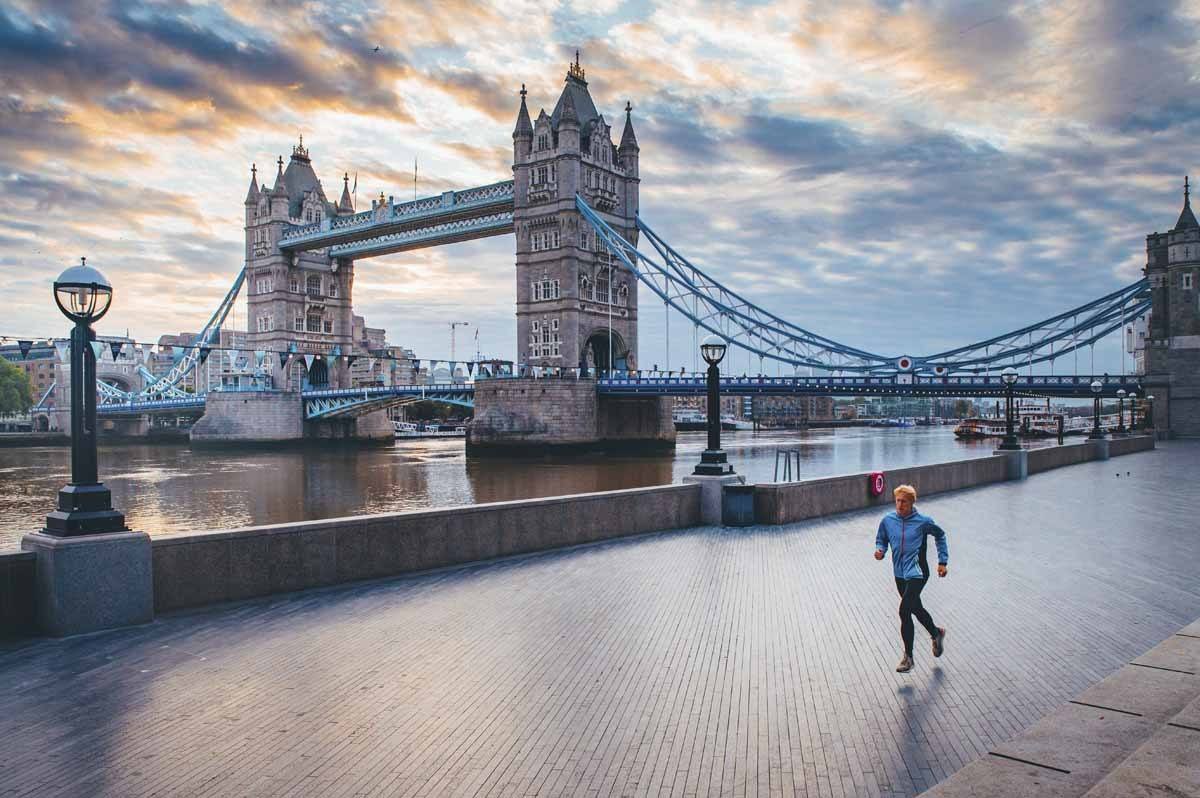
(174, 489)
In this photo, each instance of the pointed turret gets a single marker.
(1187, 219)
(524, 127)
(252, 194)
(628, 139)
(279, 185)
(567, 113)
(345, 204)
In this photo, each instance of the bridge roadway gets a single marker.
(350, 401)
(701, 662)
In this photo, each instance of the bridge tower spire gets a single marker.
(297, 302)
(575, 303)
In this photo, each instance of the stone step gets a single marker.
(1136, 732)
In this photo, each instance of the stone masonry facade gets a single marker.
(302, 298)
(570, 291)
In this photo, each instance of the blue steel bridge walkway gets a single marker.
(329, 403)
(701, 662)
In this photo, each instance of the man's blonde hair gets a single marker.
(905, 490)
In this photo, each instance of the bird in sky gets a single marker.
(376, 49)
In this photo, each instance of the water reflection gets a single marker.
(169, 489)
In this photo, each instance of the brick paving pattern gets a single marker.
(705, 662)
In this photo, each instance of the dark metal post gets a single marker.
(83, 406)
(713, 461)
(85, 505)
(1060, 430)
(1010, 439)
(1097, 433)
(1120, 415)
(714, 408)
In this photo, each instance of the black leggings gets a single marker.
(910, 605)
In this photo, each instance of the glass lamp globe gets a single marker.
(713, 349)
(1096, 386)
(83, 294)
(1120, 393)
(1009, 375)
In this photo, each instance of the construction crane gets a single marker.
(454, 325)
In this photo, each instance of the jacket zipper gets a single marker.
(902, 524)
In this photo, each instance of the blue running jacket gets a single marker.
(907, 538)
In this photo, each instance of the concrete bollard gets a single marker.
(711, 492)
(1017, 463)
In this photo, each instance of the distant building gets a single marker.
(38, 364)
(792, 411)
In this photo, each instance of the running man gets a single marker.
(905, 530)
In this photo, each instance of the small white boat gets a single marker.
(407, 429)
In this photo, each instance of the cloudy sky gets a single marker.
(901, 176)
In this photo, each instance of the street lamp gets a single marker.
(1097, 432)
(712, 461)
(1148, 419)
(1132, 410)
(1120, 411)
(1010, 443)
(85, 505)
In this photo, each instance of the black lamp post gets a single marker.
(85, 505)
(1010, 442)
(712, 461)
(1148, 418)
(1120, 411)
(1097, 432)
(1132, 410)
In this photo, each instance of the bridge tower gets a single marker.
(296, 298)
(570, 292)
(1173, 345)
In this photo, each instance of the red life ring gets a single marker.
(876, 483)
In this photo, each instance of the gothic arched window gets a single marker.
(602, 282)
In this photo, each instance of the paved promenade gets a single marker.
(704, 662)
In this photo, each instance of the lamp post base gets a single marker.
(713, 464)
(84, 510)
(86, 583)
(1009, 444)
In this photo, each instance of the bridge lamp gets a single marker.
(1148, 417)
(1121, 411)
(713, 350)
(83, 295)
(1010, 442)
(1097, 433)
(713, 462)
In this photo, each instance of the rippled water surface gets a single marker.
(173, 489)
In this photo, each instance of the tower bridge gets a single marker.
(582, 252)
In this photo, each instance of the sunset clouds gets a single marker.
(992, 163)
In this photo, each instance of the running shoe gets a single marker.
(939, 642)
(905, 665)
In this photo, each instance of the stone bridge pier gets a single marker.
(514, 416)
(278, 417)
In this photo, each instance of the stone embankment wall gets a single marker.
(256, 561)
(783, 503)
